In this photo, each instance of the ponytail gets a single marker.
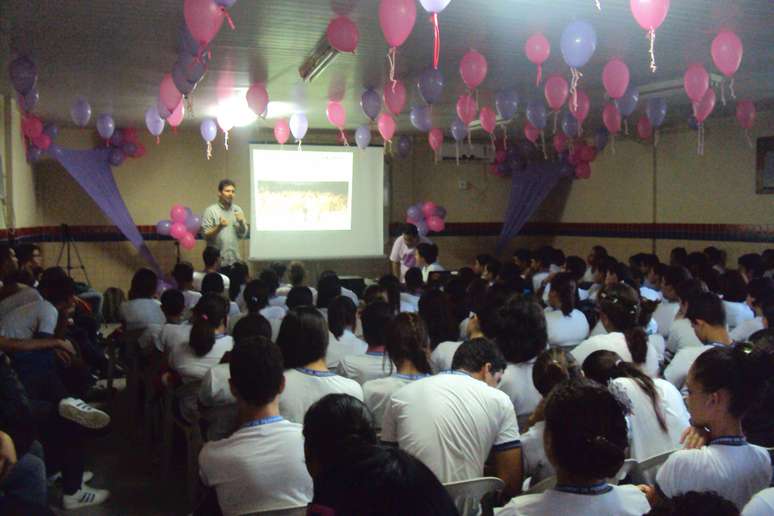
(341, 315)
(208, 315)
(637, 342)
(621, 304)
(407, 340)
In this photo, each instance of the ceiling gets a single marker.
(115, 52)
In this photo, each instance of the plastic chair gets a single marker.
(643, 471)
(542, 486)
(285, 511)
(626, 468)
(468, 495)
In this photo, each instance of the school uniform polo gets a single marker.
(377, 392)
(305, 386)
(566, 331)
(564, 500)
(616, 342)
(338, 348)
(442, 356)
(366, 366)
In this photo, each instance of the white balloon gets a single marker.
(299, 125)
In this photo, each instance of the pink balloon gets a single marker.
(343, 34)
(466, 109)
(583, 170)
(745, 113)
(435, 224)
(727, 52)
(32, 127)
(187, 241)
(556, 91)
(177, 231)
(587, 153)
(397, 18)
(560, 142)
(282, 131)
(435, 137)
(488, 119)
(473, 68)
(615, 77)
(257, 98)
(696, 82)
(538, 49)
(42, 141)
(178, 213)
(580, 110)
(337, 116)
(168, 94)
(386, 125)
(705, 106)
(203, 19)
(428, 209)
(395, 97)
(177, 116)
(650, 14)
(531, 132)
(612, 118)
(644, 128)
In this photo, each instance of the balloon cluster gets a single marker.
(580, 156)
(124, 143)
(24, 77)
(427, 216)
(183, 227)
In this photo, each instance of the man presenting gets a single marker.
(223, 223)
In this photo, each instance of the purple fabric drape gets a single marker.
(90, 168)
(528, 190)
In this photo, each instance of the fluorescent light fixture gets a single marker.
(279, 109)
(235, 109)
(320, 58)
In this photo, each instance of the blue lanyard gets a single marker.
(410, 376)
(458, 372)
(314, 373)
(219, 336)
(262, 421)
(375, 353)
(729, 440)
(596, 489)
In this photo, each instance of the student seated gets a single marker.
(424, 419)
(733, 290)
(682, 335)
(667, 309)
(762, 504)
(491, 271)
(391, 286)
(566, 326)
(256, 301)
(409, 300)
(328, 287)
(758, 422)
(373, 363)
(619, 306)
(183, 275)
(142, 308)
(238, 275)
(694, 502)
(585, 440)
(480, 263)
(211, 259)
(750, 266)
(271, 280)
(299, 296)
(723, 383)
(541, 264)
(759, 292)
(408, 347)
(436, 311)
(658, 417)
(342, 319)
(297, 278)
(157, 336)
(213, 284)
(261, 466)
(303, 340)
(427, 260)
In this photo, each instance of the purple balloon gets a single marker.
(578, 43)
(656, 110)
(153, 121)
(51, 130)
(116, 157)
(420, 118)
(414, 213)
(117, 139)
(162, 110)
(536, 113)
(628, 103)
(458, 130)
(30, 100)
(23, 74)
(363, 136)
(431, 85)
(507, 103)
(163, 227)
(569, 124)
(371, 102)
(227, 4)
(193, 67)
(33, 154)
(80, 112)
(440, 211)
(187, 42)
(105, 126)
(208, 129)
(182, 83)
(130, 149)
(600, 138)
(422, 228)
(193, 223)
(404, 146)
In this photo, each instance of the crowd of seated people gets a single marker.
(542, 367)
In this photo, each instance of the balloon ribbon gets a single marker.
(437, 42)
(225, 139)
(228, 18)
(652, 38)
(576, 75)
(209, 150)
(539, 74)
(343, 137)
(391, 60)
(599, 6)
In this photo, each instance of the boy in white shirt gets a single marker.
(142, 308)
(173, 306)
(183, 274)
(760, 292)
(424, 419)
(426, 259)
(667, 309)
(681, 334)
(261, 466)
(372, 364)
(211, 259)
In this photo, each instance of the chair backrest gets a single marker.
(644, 471)
(467, 494)
(543, 485)
(286, 511)
(626, 468)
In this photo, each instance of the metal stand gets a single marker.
(68, 244)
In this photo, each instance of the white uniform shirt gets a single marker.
(191, 297)
(443, 354)
(404, 254)
(215, 390)
(409, 302)
(650, 294)
(24, 296)
(198, 277)
(616, 342)
(193, 368)
(664, 315)
(517, 384)
(433, 267)
(761, 504)
(258, 468)
(347, 344)
(682, 336)
(735, 471)
(677, 370)
(737, 313)
(451, 422)
(304, 386)
(624, 500)
(25, 321)
(137, 314)
(566, 330)
(536, 463)
(366, 366)
(537, 280)
(746, 328)
(172, 336)
(151, 337)
(377, 392)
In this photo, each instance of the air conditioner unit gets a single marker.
(474, 152)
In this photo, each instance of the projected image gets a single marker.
(303, 206)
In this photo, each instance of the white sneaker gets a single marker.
(84, 497)
(82, 413)
(88, 476)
